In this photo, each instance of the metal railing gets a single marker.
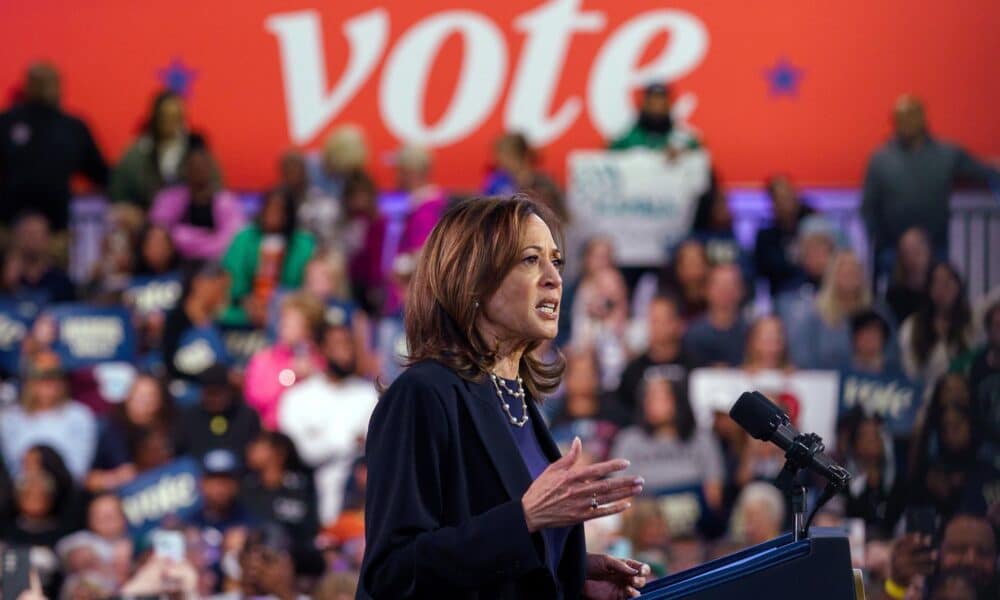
(974, 235)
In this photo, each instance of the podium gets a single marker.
(817, 567)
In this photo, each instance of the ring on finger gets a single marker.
(593, 502)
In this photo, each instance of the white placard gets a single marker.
(640, 198)
(814, 391)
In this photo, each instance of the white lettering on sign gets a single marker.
(888, 399)
(11, 332)
(404, 81)
(303, 64)
(167, 496)
(92, 337)
(195, 357)
(154, 296)
(548, 28)
(616, 71)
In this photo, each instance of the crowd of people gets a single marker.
(312, 278)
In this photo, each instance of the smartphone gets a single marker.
(16, 572)
(921, 520)
(169, 545)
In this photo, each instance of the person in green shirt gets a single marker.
(269, 254)
(655, 128)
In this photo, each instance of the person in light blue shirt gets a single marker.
(46, 415)
(820, 336)
(719, 337)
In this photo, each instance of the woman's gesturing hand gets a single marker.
(610, 578)
(567, 493)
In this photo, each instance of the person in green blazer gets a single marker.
(269, 254)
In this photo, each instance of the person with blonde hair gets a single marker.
(759, 514)
(327, 280)
(47, 415)
(344, 152)
(412, 209)
(821, 337)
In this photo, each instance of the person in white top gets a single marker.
(327, 416)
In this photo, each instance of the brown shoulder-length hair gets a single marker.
(462, 264)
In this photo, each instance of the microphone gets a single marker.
(766, 422)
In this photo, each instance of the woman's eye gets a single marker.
(558, 262)
(531, 260)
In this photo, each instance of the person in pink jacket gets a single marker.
(201, 219)
(292, 358)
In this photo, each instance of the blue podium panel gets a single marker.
(818, 567)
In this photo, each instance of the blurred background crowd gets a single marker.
(256, 322)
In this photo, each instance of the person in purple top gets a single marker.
(467, 494)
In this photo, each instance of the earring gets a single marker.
(475, 304)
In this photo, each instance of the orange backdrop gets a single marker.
(854, 58)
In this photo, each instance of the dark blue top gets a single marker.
(536, 461)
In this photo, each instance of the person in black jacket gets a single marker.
(774, 250)
(41, 148)
(467, 494)
(220, 420)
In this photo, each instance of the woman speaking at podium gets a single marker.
(467, 495)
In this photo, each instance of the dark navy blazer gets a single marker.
(443, 514)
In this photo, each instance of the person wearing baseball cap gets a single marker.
(655, 128)
(222, 471)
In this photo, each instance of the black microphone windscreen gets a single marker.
(755, 413)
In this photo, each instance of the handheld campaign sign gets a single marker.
(92, 334)
(241, 342)
(171, 490)
(895, 398)
(152, 294)
(16, 317)
(199, 349)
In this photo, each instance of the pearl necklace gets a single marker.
(497, 383)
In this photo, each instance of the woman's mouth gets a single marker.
(548, 309)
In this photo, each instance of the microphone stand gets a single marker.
(798, 457)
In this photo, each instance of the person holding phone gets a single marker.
(967, 543)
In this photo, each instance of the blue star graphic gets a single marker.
(784, 78)
(177, 77)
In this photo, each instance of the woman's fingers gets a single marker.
(607, 509)
(606, 487)
(618, 566)
(569, 459)
(641, 567)
(600, 470)
(612, 496)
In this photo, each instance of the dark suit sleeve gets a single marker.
(969, 168)
(411, 552)
(92, 163)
